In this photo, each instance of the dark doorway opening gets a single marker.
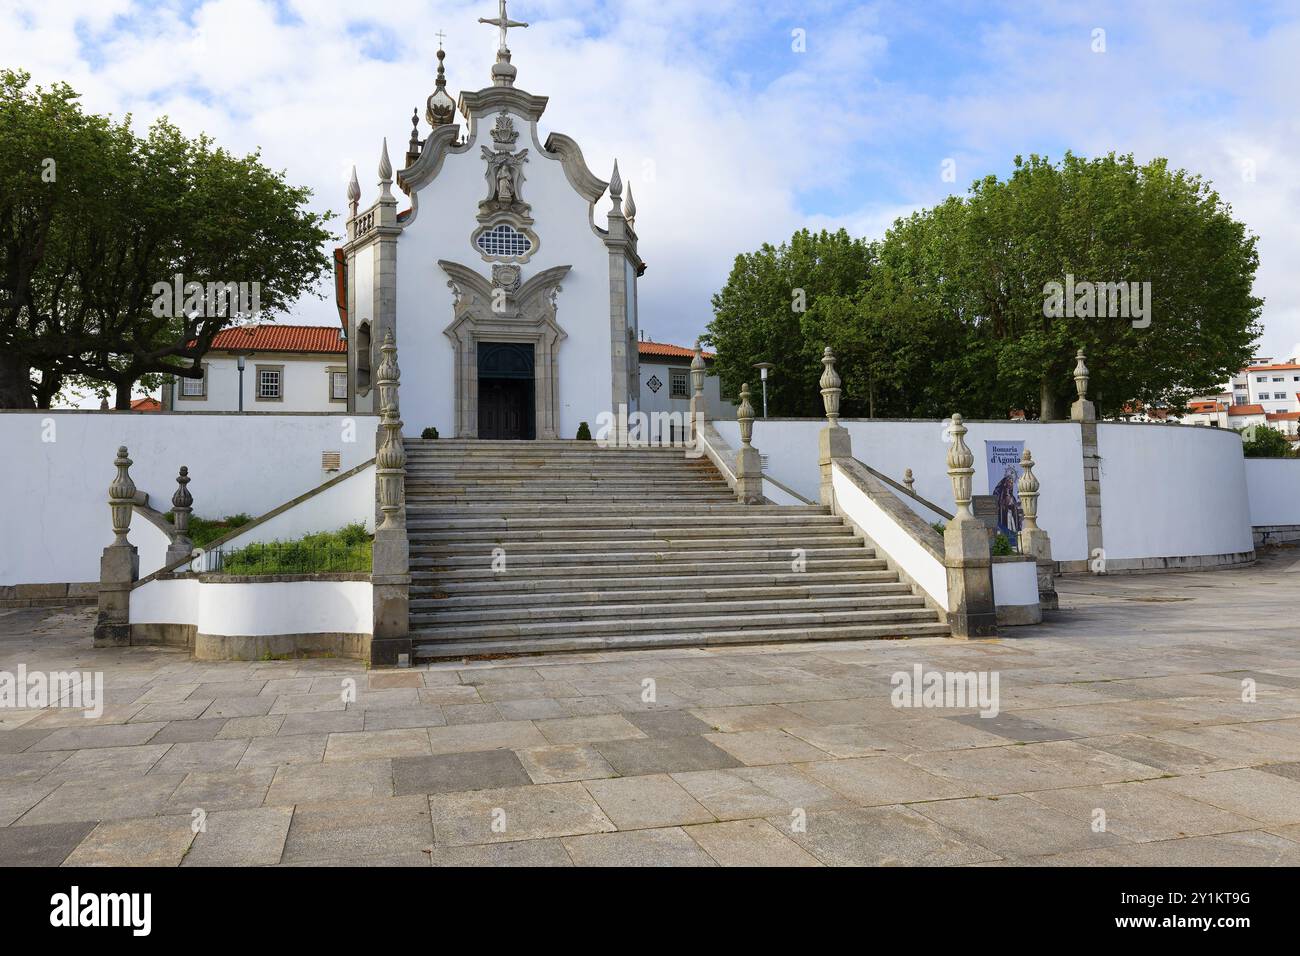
(506, 389)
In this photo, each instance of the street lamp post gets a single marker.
(762, 373)
(239, 361)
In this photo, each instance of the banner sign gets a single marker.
(1003, 459)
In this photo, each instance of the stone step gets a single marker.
(620, 523)
(640, 484)
(453, 510)
(528, 555)
(427, 569)
(480, 586)
(442, 649)
(436, 617)
(672, 623)
(425, 598)
(615, 539)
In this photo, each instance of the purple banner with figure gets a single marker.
(1003, 459)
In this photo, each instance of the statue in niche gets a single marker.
(505, 176)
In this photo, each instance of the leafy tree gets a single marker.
(947, 313)
(82, 250)
(1267, 443)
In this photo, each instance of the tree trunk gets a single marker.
(123, 401)
(15, 382)
(1046, 401)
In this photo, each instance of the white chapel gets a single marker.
(510, 282)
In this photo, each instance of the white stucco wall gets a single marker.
(1172, 492)
(446, 208)
(349, 501)
(1274, 488)
(790, 448)
(304, 384)
(256, 609)
(56, 518)
(662, 400)
(1015, 583)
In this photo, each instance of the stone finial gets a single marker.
(121, 497)
(830, 383)
(629, 207)
(390, 457)
(908, 480)
(354, 192)
(1081, 376)
(385, 172)
(745, 416)
(616, 188)
(182, 503)
(960, 469)
(697, 370)
(1028, 486)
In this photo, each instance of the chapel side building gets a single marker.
(509, 286)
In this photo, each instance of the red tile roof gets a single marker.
(1246, 410)
(281, 338)
(664, 350)
(1284, 416)
(146, 404)
(1281, 367)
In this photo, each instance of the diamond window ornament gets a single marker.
(654, 383)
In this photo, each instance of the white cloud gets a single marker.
(729, 137)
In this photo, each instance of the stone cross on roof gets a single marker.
(503, 23)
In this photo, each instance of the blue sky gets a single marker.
(730, 136)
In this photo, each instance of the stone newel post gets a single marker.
(1082, 410)
(908, 479)
(390, 574)
(972, 611)
(1085, 413)
(749, 466)
(698, 409)
(1033, 539)
(834, 440)
(119, 566)
(182, 508)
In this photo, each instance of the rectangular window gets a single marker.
(338, 384)
(677, 383)
(1278, 378)
(270, 383)
(195, 387)
(1261, 378)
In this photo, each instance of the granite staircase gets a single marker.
(523, 547)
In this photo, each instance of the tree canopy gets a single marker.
(950, 310)
(93, 218)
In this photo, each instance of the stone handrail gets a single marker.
(903, 490)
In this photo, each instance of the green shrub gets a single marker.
(1002, 545)
(204, 530)
(939, 526)
(429, 432)
(347, 549)
(584, 432)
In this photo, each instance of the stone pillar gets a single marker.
(1085, 413)
(119, 566)
(972, 610)
(699, 410)
(390, 573)
(749, 466)
(834, 441)
(1033, 539)
(182, 508)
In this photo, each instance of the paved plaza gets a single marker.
(1122, 738)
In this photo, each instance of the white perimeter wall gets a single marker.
(790, 448)
(56, 521)
(278, 607)
(1171, 490)
(1274, 485)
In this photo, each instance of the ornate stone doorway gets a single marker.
(506, 391)
(501, 324)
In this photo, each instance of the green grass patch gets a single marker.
(204, 530)
(344, 550)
